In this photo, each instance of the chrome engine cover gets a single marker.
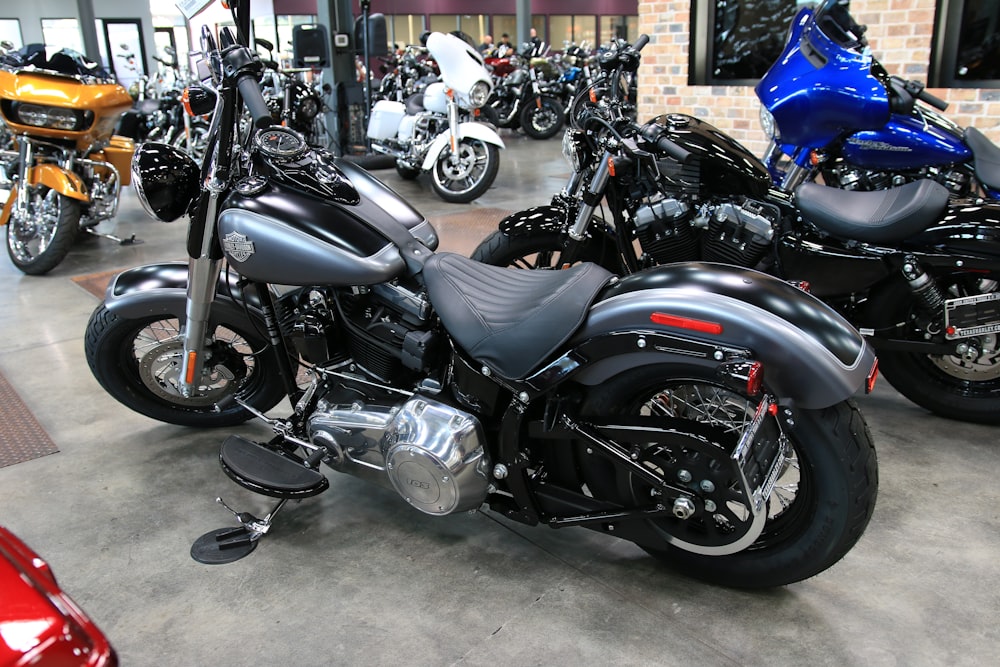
(430, 453)
(435, 457)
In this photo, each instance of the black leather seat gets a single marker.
(510, 319)
(880, 216)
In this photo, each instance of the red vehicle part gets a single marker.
(39, 624)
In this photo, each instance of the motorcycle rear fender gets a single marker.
(161, 289)
(479, 131)
(811, 356)
(56, 178)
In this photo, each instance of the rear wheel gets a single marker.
(138, 362)
(964, 385)
(41, 237)
(464, 175)
(821, 503)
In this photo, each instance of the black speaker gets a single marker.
(378, 36)
(310, 46)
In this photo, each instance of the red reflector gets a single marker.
(872, 377)
(772, 409)
(611, 166)
(755, 378)
(950, 331)
(192, 357)
(686, 323)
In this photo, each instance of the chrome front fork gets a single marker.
(203, 274)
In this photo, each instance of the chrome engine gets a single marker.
(846, 177)
(431, 453)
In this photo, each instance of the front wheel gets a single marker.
(464, 175)
(822, 498)
(39, 238)
(194, 141)
(138, 362)
(543, 117)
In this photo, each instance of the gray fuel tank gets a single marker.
(282, 234)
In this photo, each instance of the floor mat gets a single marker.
(22, 438)
(96, 283)
(462, 232)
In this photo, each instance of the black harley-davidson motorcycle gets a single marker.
(702, 412)
(915, 273)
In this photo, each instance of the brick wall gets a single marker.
(899, 32)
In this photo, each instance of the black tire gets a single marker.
(136, 360)
(39, 241)
(540, 250)
(470, 176)
(407, 173)
(543, 118)
(948, 386)
(820, 506)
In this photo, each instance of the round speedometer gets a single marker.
(281, 143)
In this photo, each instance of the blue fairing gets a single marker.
(903, 142)
(818, 87)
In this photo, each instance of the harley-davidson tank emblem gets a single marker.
(237, 246)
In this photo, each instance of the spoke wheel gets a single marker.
(822, 500)
(40, 238)
(139, 363)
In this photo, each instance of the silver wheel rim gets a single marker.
(30, 235)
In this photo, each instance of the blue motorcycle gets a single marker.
(832, 110)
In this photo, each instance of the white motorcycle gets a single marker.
(425, 133)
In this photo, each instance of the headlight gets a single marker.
(166, 179)
(574, 149)
(767, 122)
(55, 118)
(479, 94)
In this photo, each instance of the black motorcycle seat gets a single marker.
(880, 216)
(986, 157)
(414, 104)
(510, 319)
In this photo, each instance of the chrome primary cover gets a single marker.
(435, 458)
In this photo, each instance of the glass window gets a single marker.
(264, 28)
(505, 23)
(62, 34)
(285, 25)
(474, 25)
(564, 30)
(619, 27)
(736, 41)
(966, 51)
(10, 31)
(444, 22)
(405, 29)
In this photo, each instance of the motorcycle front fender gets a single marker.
(548, 219)
(161, 289)
(707, 314)
(55, 178)
(480, 131)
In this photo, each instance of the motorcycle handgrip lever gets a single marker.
(641, 42)
(254, 99)
(665, 145)
(932, 100)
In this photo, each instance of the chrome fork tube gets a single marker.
(27, 156)
(203, 273)
(591, 198)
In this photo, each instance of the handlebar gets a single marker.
(932, 100)
(663, 144)
(254, 99)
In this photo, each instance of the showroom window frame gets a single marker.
(944, 49)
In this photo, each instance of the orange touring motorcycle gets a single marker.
(62, 162)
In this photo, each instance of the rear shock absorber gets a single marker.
(925, 290)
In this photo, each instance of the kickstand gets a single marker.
(226, 545)
(132, 240)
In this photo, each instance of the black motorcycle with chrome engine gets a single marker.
(700, 411)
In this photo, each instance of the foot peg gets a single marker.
(267, 472)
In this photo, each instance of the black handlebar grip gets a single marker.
(680, 154)
(932, 100)
(641, 42)
(254, 99)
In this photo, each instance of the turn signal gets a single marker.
(686, 323)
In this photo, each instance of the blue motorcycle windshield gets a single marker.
(823, 82)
